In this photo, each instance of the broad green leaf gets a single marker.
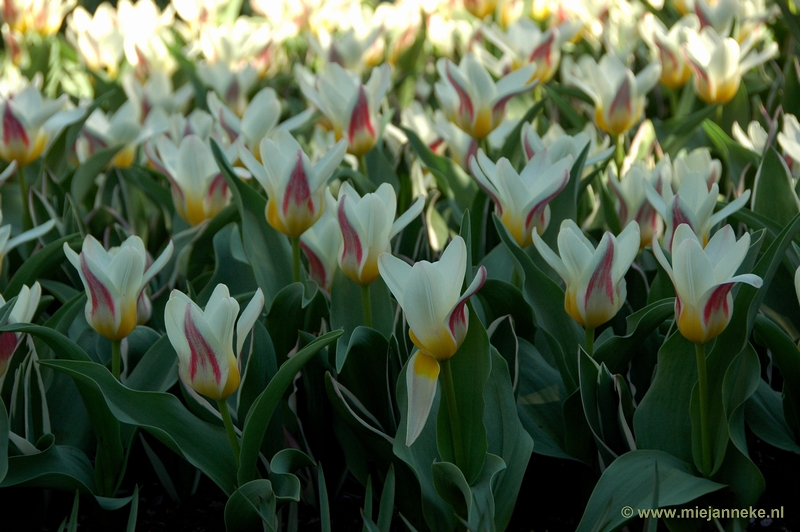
(764, 415)
(146, 182)
(257, 420)
(773, 191)
(62, 346)
(791, 88)
(282, 468)
(85, 174)
(628, 485)
(590, 389)
(784, 352)
(40, 263)
(203, 445)
(386, 506)
(617, 351)
(662, 420)
(244, 511)
(470, 367)
(474, 503)
(157, 371)
(554, 92)
(324, 505)
(547, 300)
(380, 170)
(267, 250)
(134, 510)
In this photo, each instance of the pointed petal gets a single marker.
(404, 219)
(421, 378)
(395, 274)
(248, 319)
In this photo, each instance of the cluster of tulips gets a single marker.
(466, 235)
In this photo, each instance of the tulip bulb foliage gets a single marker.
(23, 312)
(208, 360)
(703, 279)
(594, 278)
(437, 316)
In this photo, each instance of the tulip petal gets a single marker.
(158, 264)
(452, 265)
(421, 379)
(694, 274)
(550, 257)
(728, 209)
(395, 274)
(458, 318)
(248, 319)
(256, 168)
(427, 305)
(627, 247)
(328, 163)
(407, 217)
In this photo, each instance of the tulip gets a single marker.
(618, 95)
(667, 46)
(113, 280)
(231, 84)
(703, 279)
(755, 139)
(480, 8)
(23, 311)
(203, 339)
(156, 93)
(789, 140)
(693, 204)
(471, 99)
(30, 123)
(199, 190)
(294, 187)
(697, 161)
(561, 145)
(350, 105)
(632, 204)
(367, 225)
(719, 63)
(521, 200)
(97, 38)
(594, 278)
(321, 246)
(437, 316)
(43, 17)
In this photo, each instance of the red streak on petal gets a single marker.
(316, 267)
(718, 300)
(360, 118)
(201, 351)
(678, 216)
(217, 186)
(352, 244)
(539, 207)
(8, 343)
(464, 101)
(667, 56)
(544, 50)
(101, 297)
(601, 278)
(13, 130)
(298, 191)
(622, 100)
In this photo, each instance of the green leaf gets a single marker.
(134, 510)
(547, 300)
(791, 88)
(507, 440)
(85, 174)
(590, 390)
(157, 371)
(513, 142)
(324, 505)
(56, 158)
(566, 107)
(617, 351)
(675, 132)
(470, 367)
(267, 250)
(784, 352)
(144, 180)
(203, 445)
(3, 441)
(39, 264)
(662, 421)
(257, 420)
(773, 191)
(474, 503)
(347, 314)
(565, 205)
(764, 415)
(386, 506)
(450, 178)
(628, 485)
(62, 346)
(244, 511)
(379, 169)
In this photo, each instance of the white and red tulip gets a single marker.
(208, 360)
(438, 319)
(350, 106)
(632, 204)
(667, 45)
(113, 280)
(703, 279)
(472, 100)
(294, 186)
(367, 225)
(321, 246)
(521, 200)
(594, 278)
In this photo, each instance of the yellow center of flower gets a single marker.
(440, 347)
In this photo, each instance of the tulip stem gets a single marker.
(515, 280)
(366, 305)
(452, 410)
(619, 155)
(702, 383)
(295, 258)
(228, 422)
(590, 341)
(27, 221)
(116, 358)
(362, 165)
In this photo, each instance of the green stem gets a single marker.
(362, 165)
(116, 358)
(295, 258)
(452, 411)
(27, 221)
(619, 155)
(537, 92)
(718, 115)
(366, 305)
(590, 341)
(702, 383)
(515, 280)
(228, 422)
